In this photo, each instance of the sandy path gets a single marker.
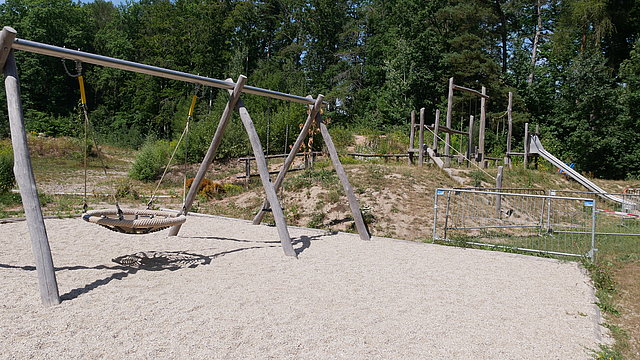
(243, 299)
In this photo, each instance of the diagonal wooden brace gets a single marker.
(292, 155)
(348, 189)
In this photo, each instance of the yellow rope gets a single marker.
(83, 96)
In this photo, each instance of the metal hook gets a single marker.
(78, 68)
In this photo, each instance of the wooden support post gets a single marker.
(526, 145)
(510, 130)
(247, 171)
(291, 156)
(483, 124)
(447, 136)
(436, 124)
(211, 152)
(421, 139)
(269, 189)
(412, 134)
(342, 175)
(535, 158)
(470, 141)
(499, 188)
(24, 174)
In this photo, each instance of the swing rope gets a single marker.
(88, 128)
(136, 221)
(173, 154)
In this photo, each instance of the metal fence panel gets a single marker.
(527, 222)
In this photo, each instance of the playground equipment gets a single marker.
(437, 128)
(132, 221)
(129, 221)
(535, 147)
(24, 172)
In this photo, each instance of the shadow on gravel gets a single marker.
(130, 264)
(304, 242)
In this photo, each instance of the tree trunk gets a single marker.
(503, 33)
(536, 39)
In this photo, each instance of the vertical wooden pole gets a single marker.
(24, 175)
(291, 156)
(412, 134)
(526, 145)
(211, 152)
(499, 187)
(447, 136)
(483, 124)
(269, 189)
(421, 139)
(470, 141)
(342, 175)
(247, 172)
(535, 158)
(436, 124)
(510, 130)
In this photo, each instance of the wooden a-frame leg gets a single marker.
(353, 201)
(269, 189)
(215, 142)
(291, 156)
(23, 170)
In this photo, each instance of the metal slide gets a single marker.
(535, 147)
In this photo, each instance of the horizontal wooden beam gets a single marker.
(475, 92)
(445, 129)
(277, 156)
(378, 155)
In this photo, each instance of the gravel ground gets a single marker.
(224, 290)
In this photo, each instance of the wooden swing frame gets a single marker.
(24, 172)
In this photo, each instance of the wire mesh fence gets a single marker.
(617, 222)
(523, 221)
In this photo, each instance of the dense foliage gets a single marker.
(574, 67)
(7, 178)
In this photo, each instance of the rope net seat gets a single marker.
(134, 221)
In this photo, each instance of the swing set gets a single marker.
(141, 219)
(129, 221)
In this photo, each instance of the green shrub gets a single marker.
(51, 125)
(151, 160)
(7, 178)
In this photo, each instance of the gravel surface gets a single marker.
(224, 290)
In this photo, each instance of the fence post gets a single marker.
(499, 187)
(470, 140)
(436, 124)
(526, 145)
(412, 134)
(594, 250)
(510, 131)
(483, 124)
(421, 139)
(435, 216)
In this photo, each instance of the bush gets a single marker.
(150, 161)
(208, 188)
(7, 178)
